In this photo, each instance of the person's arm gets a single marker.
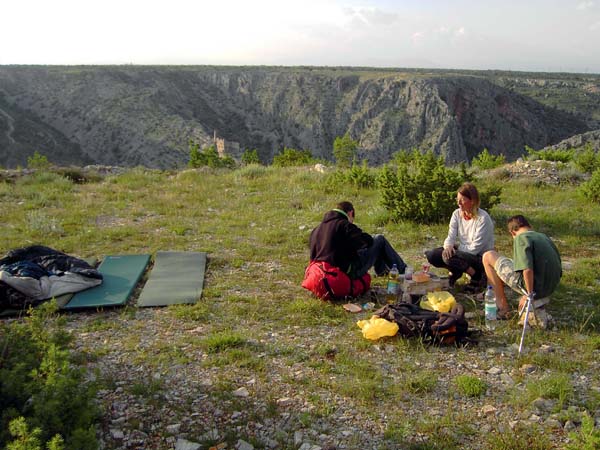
(528, 280)
(358, 237)
(450, 240)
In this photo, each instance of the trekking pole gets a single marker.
(527, 308)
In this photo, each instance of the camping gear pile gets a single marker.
(32, 274)
(432, 326)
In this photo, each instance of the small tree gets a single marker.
(586, 159)
(38, 161)
(344, 150)
(250, 157)
(485, 160)
(209, 156)
(424, 190)
(591, 188)
(292, 157)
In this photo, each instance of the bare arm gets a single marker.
(528, 279)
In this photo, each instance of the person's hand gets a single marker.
(448, 253)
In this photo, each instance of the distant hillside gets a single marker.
(131, 115)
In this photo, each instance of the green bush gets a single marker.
(357, 175)
(403, 157)
(250, 157)
(591, 188)
(485, 160)
(37, 161)
(422, 190)
(292, 157)
(344, 150)
(39, 383)
(586, 159)
(550, 154)
(208, 157)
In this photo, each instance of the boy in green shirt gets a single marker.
(535, 267)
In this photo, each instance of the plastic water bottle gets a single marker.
(393, 283)
(490, 309)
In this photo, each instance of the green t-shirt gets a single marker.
(533, 250)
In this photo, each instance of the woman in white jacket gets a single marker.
(470, 235)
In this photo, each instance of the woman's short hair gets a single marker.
(470, 191)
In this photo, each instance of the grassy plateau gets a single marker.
(305, 362)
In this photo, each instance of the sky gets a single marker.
(526, 35)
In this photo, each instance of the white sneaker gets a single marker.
(539, 318)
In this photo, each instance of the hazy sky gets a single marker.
(540, 35)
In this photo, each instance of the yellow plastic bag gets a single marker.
(440, 301)
(376, 327)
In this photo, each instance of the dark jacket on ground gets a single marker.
(337, 241)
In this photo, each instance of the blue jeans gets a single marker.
(380, 255)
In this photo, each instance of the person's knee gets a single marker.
(490, 257)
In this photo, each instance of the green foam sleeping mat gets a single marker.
(121, 274)
(177, 277)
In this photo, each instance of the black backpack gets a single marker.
(431, 326)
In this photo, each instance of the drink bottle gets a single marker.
(490, 309)
(392, 285)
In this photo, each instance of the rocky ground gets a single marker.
(189, 404)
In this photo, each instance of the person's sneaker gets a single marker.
(539, 318)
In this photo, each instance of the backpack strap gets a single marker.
(335, 274)
(328, 288)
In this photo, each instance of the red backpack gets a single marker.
(330, 283)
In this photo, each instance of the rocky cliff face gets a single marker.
(147, 115)
(591, 138)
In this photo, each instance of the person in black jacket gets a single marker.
(342, 244)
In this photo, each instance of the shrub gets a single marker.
(591, 188)
(39, 383)
(292, 157)
(250, 157)
(404, 157)
(551, 154)
(208, 157)
(344, 150)
(424, 190)
(357, 175)
(586, 159)
(37, 161)
(485, 160)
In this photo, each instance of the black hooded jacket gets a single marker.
(337, 241)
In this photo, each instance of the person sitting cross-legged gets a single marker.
(470, 235)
